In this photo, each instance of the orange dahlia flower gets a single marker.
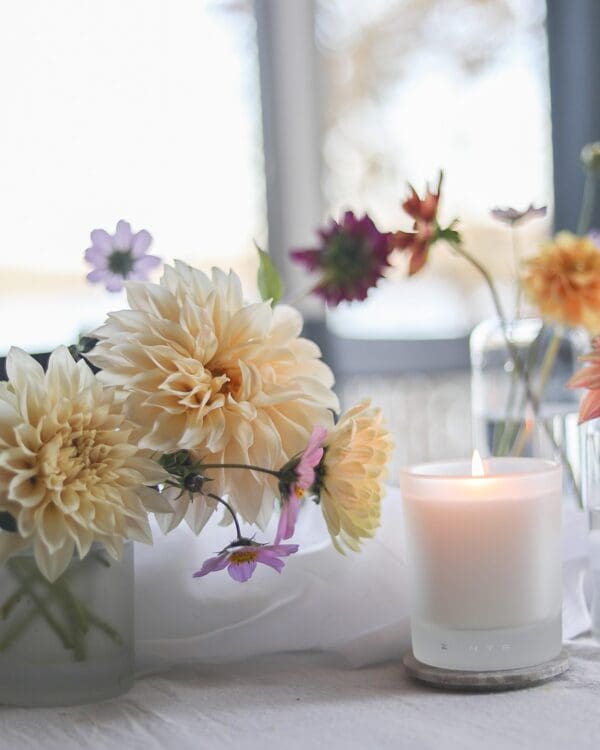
(563, 281)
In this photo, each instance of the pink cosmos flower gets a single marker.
(589, 377)
(120, 257)
(304, 478)
(242, 557)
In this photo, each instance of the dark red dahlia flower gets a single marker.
(352, 257)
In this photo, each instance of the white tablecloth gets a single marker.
(217, 671)
(312, 701)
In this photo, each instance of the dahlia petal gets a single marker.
(199, 513)
(153, 501)
(138, 529)
(53, 564)
(21, 368)
(52, 528)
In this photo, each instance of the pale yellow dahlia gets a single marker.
(206, 372)
(563, 281)
(351, 476)
(69, 474)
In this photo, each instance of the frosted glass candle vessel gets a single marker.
(484, 554)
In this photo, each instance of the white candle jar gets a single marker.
(485, 559)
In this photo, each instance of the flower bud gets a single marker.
(194, 483)
(590, 157)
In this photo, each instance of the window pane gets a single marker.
(415, 85)
(146, 110)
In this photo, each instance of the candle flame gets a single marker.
(477, 469)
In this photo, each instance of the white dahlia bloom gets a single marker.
(69, 474)
(206, 372)
(352, 475)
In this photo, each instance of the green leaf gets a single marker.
(269, 281)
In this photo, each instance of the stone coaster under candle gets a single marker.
(502, 679)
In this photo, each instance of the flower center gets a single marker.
(233, 379)
(346, 256)
(121, 262)
(239, 557)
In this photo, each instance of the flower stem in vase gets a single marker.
(587, 203)
(545, 371)
(77, 617)
(505, 436)
(20, 570)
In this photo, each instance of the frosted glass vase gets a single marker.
(504, 423)
(71, 641)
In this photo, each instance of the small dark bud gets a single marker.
(194, 483)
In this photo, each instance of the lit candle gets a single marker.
(483, 545)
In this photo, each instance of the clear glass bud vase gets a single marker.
(71, 641)
(505, 422)
(591, 491)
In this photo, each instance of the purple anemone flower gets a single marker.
(351, 258)
(120, 257)
(242, 557)
(513, 216)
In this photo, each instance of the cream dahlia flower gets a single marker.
(351, 476)
(69, 474)
(206, 372)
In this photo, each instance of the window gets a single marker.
(146, 110)
(415, 85)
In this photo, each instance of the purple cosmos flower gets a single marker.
(242, 557)
(120, 257)
(351, 258)
(303, 479)
(512, 216)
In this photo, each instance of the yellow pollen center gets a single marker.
(299, 491)
(239, 557)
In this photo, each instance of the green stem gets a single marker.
(78, 621)
(518, 364)
(243, 466)
(517, 262)
(545, 371)
(18, 628)
(102, 625)
(231, 510)
(40, 604)
(587, 203)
